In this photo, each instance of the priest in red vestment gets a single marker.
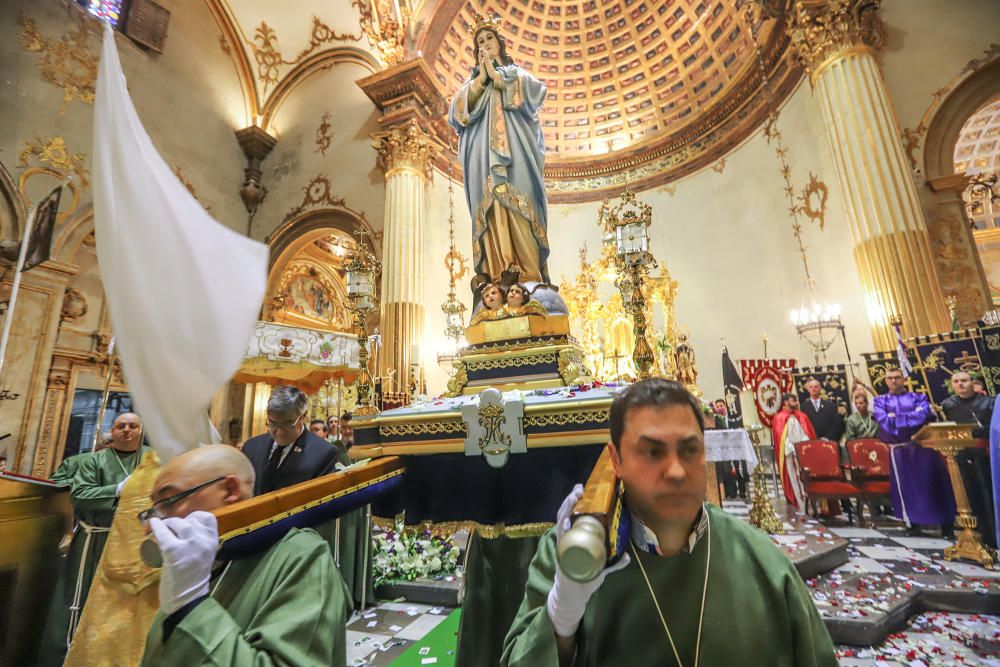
(789, 426)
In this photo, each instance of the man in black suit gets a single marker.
(288, 453)
(824, 415)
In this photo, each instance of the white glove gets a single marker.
(121, 485)
(188, 546)
(568, 599)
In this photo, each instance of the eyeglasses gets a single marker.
(156, 511)
(283, 425)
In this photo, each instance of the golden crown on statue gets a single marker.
(483, 21)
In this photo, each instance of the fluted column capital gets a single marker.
(404, 148)
(823, 30)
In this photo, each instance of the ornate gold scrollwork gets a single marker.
(70, 63)
(324, 134)
(492, 419)
(512, 362)
(571, 368)
(458, 381)
(52, 152)
(566, 418)
(269, 59)
(813, 199)
(421, 428)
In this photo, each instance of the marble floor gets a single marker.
(885, 568)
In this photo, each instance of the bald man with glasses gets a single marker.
(284, 606)
(289, 453)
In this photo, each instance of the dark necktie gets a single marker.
(269, 480)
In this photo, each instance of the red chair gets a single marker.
(824, 477)
(870, 470)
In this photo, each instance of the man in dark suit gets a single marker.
(823, 415)
(288, 453)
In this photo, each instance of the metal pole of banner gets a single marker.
(99, 428)
(340, 395)
(364, 564)
(16, 286)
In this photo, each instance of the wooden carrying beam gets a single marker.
(599, 533)
(250, 526)
(247, 515)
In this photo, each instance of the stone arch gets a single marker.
(957, 257)
(295, 233)
(946, 124)
(293, 236)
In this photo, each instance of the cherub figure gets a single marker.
(519, 302)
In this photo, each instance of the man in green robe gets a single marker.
(697, 587)
(285, 606)
(860, 423)
(95, 480)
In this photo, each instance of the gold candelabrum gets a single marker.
(762, 514)
(362, 268)
(626, 226)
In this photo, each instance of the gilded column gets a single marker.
(404, 155)
(836, 41)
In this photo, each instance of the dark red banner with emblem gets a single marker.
(768, 379)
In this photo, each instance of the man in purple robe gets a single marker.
(919, 482)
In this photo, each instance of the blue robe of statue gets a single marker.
(503, 155)
(918, 480)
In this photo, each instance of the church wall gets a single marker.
(188, 98)
(298, 158)
(189, 101)
(928, 45)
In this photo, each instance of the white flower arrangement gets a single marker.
(401, 555)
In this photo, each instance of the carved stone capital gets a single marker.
(405, 147)
(820, 30)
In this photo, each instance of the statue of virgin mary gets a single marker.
(502, 152)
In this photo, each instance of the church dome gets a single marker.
(638, 91)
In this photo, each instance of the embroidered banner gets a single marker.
(833, 380)
(880, 362)
(768, 379)
(988, 345)
(941, 355)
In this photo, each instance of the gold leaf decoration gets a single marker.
(813, 200)
(269, 58)
(54, 153)
(190, 186)
(324, 134)
(69, 63)
(911, 142)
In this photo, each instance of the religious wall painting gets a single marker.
(311, 295)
